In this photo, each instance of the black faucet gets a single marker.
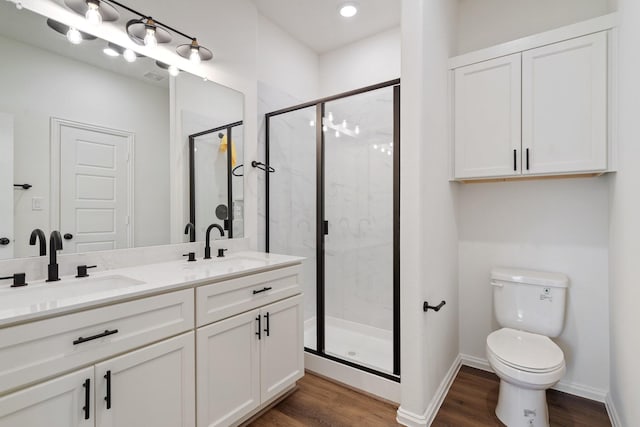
(190, 229)
(55, 244)
(39, 235)
(207, 244)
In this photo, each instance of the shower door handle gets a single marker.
(325, 227)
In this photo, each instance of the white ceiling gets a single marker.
(317, 23)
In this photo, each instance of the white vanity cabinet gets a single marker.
(155, 382)
(56, 403)
(247, 360)
(152, 386)
(540, 111)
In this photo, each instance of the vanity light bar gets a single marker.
(144, 31)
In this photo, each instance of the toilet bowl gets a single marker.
(527, 365)
(530, 307)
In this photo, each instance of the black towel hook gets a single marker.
(234, 170)
(427, 307)
(262, 166)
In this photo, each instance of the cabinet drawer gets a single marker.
(225, 299)
(39, 350)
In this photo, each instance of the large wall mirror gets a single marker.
(86, 137)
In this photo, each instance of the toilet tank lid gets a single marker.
(532, 277)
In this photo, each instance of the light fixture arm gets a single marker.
(147, 17)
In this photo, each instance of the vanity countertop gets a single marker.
(41, 299)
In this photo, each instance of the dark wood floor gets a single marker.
(471, 402)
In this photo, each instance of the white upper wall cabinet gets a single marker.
(534, 106)
(564, 106)
(487, 118)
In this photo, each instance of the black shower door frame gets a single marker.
(321, 228)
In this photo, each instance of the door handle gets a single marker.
(87, 398)
(107, 397)
(68, 236)
(266, 317)
(4, 241)
(259, 333)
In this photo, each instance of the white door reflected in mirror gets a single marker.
(95, 187)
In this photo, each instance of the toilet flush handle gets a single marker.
(494, 283)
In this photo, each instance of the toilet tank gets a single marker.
(532, 301)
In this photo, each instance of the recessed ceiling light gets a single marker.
(348, 10)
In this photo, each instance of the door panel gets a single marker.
(564, 106)
(6, 185)
(154, 386)
(56, 403)
(228, 364)
(282, 347)
(94, 189)
(487, 105)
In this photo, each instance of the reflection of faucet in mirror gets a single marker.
(39, 235)
(55, 244)
(207, 247)
(190, 229)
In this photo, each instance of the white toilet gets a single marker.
(530, 307)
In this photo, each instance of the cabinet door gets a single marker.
(564, 106)
(228, 366)
(282, 347)
(63, 402)
(153, 386)
(486, 115)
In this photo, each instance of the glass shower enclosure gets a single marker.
(334, 199)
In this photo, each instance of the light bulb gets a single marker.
(337, 134)
(382, 149)
(357, 130)
(324, 128)
(74, 36)
(389, 152)
(344, 124)
(312, 123)
(375, 146)
(195, 55)
(150, 39)
(129, 55)
(93, 12)
(330, 117)
(110, 51)
(173, 70)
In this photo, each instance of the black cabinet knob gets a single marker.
(68, 236)
(4, 241)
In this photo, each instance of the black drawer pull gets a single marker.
(106, 333)
(265, 289)
(87, 398)
(107, 398)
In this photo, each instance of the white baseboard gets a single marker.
(411, 419)
(576, 389)
(613, 413)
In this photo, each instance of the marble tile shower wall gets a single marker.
(359, 247)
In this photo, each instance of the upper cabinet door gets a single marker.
(486, 110)
(564, 106)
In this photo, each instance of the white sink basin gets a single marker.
(52, 294)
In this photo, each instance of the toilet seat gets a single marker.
(525, 351)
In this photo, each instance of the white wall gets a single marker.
(483, 23)
(286, 64)
(625, 227)
(365, 62)
(559, 225)
(428, 209)
(35, 93)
